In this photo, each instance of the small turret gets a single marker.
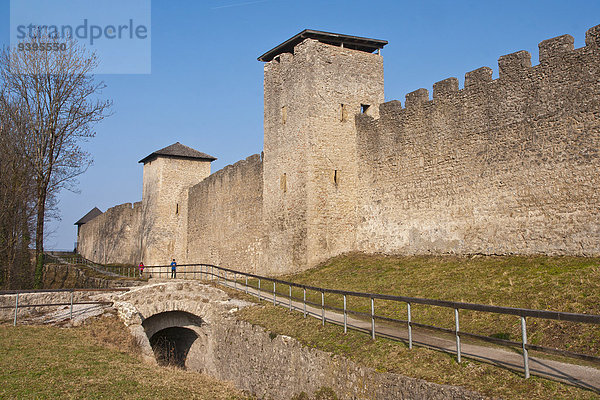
(168, 174)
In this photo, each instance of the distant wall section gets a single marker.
(225, 217)
(502, 166)
(114, 236)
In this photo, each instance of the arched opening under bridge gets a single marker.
(172, 345)
(171, 335)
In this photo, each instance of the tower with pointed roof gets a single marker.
(168, 175)
(314, 85)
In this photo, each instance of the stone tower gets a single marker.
(168, 174)
(314, 85)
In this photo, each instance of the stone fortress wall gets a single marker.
(114, 236)
(225, 217)
(502, 166)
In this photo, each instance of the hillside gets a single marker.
(555, 283)
(569, 284)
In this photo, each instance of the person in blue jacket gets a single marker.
(173, 269)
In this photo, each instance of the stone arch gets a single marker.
(178, 338)
(171, 319)
(190, 305)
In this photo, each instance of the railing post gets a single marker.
(345, 316)
(323, 307)
(246, 284)
(457, 335)
(290, 297)
(409, 327)
(234, 280)
(304, 296)
(274, 294)
(258, 289)
(16, 309)
(71, 309)
(372, 318)
(525, 355)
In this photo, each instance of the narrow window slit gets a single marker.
(283, 182)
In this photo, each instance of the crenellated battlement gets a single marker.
(555, 47)
(506, 165)
(500, 166)
(512, 68)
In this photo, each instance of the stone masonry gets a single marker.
(501, 166)
(268, 366)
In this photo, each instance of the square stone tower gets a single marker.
(314, 85)
(168, 174)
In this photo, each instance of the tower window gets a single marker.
(283, 183)
(364, 108)
(284, 114)
(335, 177)
(343, 113)
(177, 208)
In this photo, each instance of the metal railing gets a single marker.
(254, 285)
(70, 303)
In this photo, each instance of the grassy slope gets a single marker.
(92, 362)
(570, 284)
(389, 356)
(557, 283)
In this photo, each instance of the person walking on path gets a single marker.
(173, 269)
(141, 268)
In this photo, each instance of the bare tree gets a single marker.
(16, 206)
(49, 83)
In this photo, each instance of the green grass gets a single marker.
(570, 284)
(390, 356)
(95, 361)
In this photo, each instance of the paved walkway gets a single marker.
(578, 375)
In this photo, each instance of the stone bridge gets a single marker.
(194, 325)
(177, 321)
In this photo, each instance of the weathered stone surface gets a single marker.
(225, 217)
(502, 166)
(253, 359)
(478, 77)
(507, 167)
(310, 170)
(114, 236)
(445, 88)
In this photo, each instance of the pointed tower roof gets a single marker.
(178, 150)
(94, 212)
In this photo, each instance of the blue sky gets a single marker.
(205, 88)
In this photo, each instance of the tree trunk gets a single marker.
(39, 239)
